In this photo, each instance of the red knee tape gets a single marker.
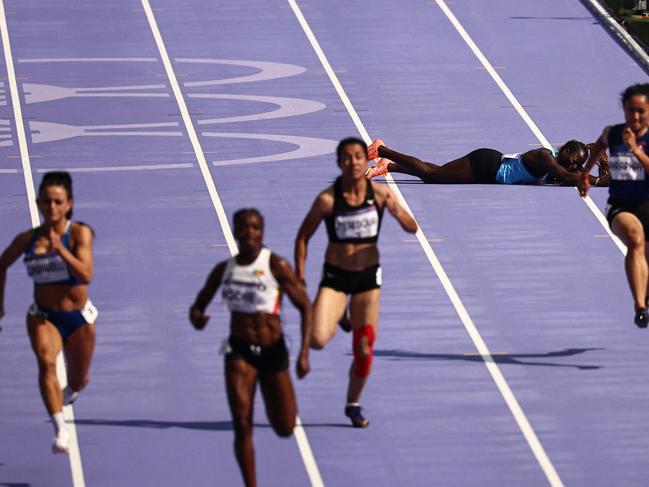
(363, 363)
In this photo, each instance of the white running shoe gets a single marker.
(61, 443)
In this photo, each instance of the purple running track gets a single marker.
(534, 268)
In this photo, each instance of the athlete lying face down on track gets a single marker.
(253, 283)
(58, 257)
(627, 211)
(352, 209)
(489, 166)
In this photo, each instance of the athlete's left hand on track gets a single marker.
(303, 366)
(584, 186)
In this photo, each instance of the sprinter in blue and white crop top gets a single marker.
(58, 257)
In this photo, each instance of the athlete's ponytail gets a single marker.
(58, 178)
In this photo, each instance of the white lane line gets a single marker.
(76, 466)
(521, 111)
(146, 167)
(90, 60)
(8, 171)
(18, 116)
(494, 370)
(300, 435)
(193, 137)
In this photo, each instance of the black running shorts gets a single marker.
(351, 282)
(639, 208)
(484, 165)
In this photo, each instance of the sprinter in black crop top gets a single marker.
(354, 224)
(352, 209)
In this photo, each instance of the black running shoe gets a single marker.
(345, 323)
(355, 413)
(641, 317)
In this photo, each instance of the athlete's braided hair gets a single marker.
(58, 178)
(239, 214)
(569, 148)
(602, 163)
(641, 89)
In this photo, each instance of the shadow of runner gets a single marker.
(505, 358)
(190, 425)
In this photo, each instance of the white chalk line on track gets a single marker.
(76, 467)
(299, 433)
(507, 394)
(520, 110)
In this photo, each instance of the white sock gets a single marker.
(69, 396)
(59, 422)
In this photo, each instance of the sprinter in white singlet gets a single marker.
(252, 284)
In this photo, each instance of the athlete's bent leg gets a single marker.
(364, 313)
(279, 398)
(79, 348)
(328, 308)
(629, 229)
(47, 343)
(241, 381)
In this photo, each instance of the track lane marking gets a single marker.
(299, 433)
(487, 357)
(76, 466)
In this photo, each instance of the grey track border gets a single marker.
(619, 32)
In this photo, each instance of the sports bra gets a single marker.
(251, 288)
(354, 224)
(512, 170)
(50, 268)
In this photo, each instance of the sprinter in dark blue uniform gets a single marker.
(628, 204)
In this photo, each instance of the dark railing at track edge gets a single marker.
(619, 33)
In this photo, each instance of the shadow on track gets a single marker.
(554, 18)
(504, 359)
(190, 425)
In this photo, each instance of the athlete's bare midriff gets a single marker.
(352, 256)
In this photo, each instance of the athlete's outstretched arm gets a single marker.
(197, 315)
(596, 152)
(322, 206)
(8, 257)
(289, 284)
(404, 218)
